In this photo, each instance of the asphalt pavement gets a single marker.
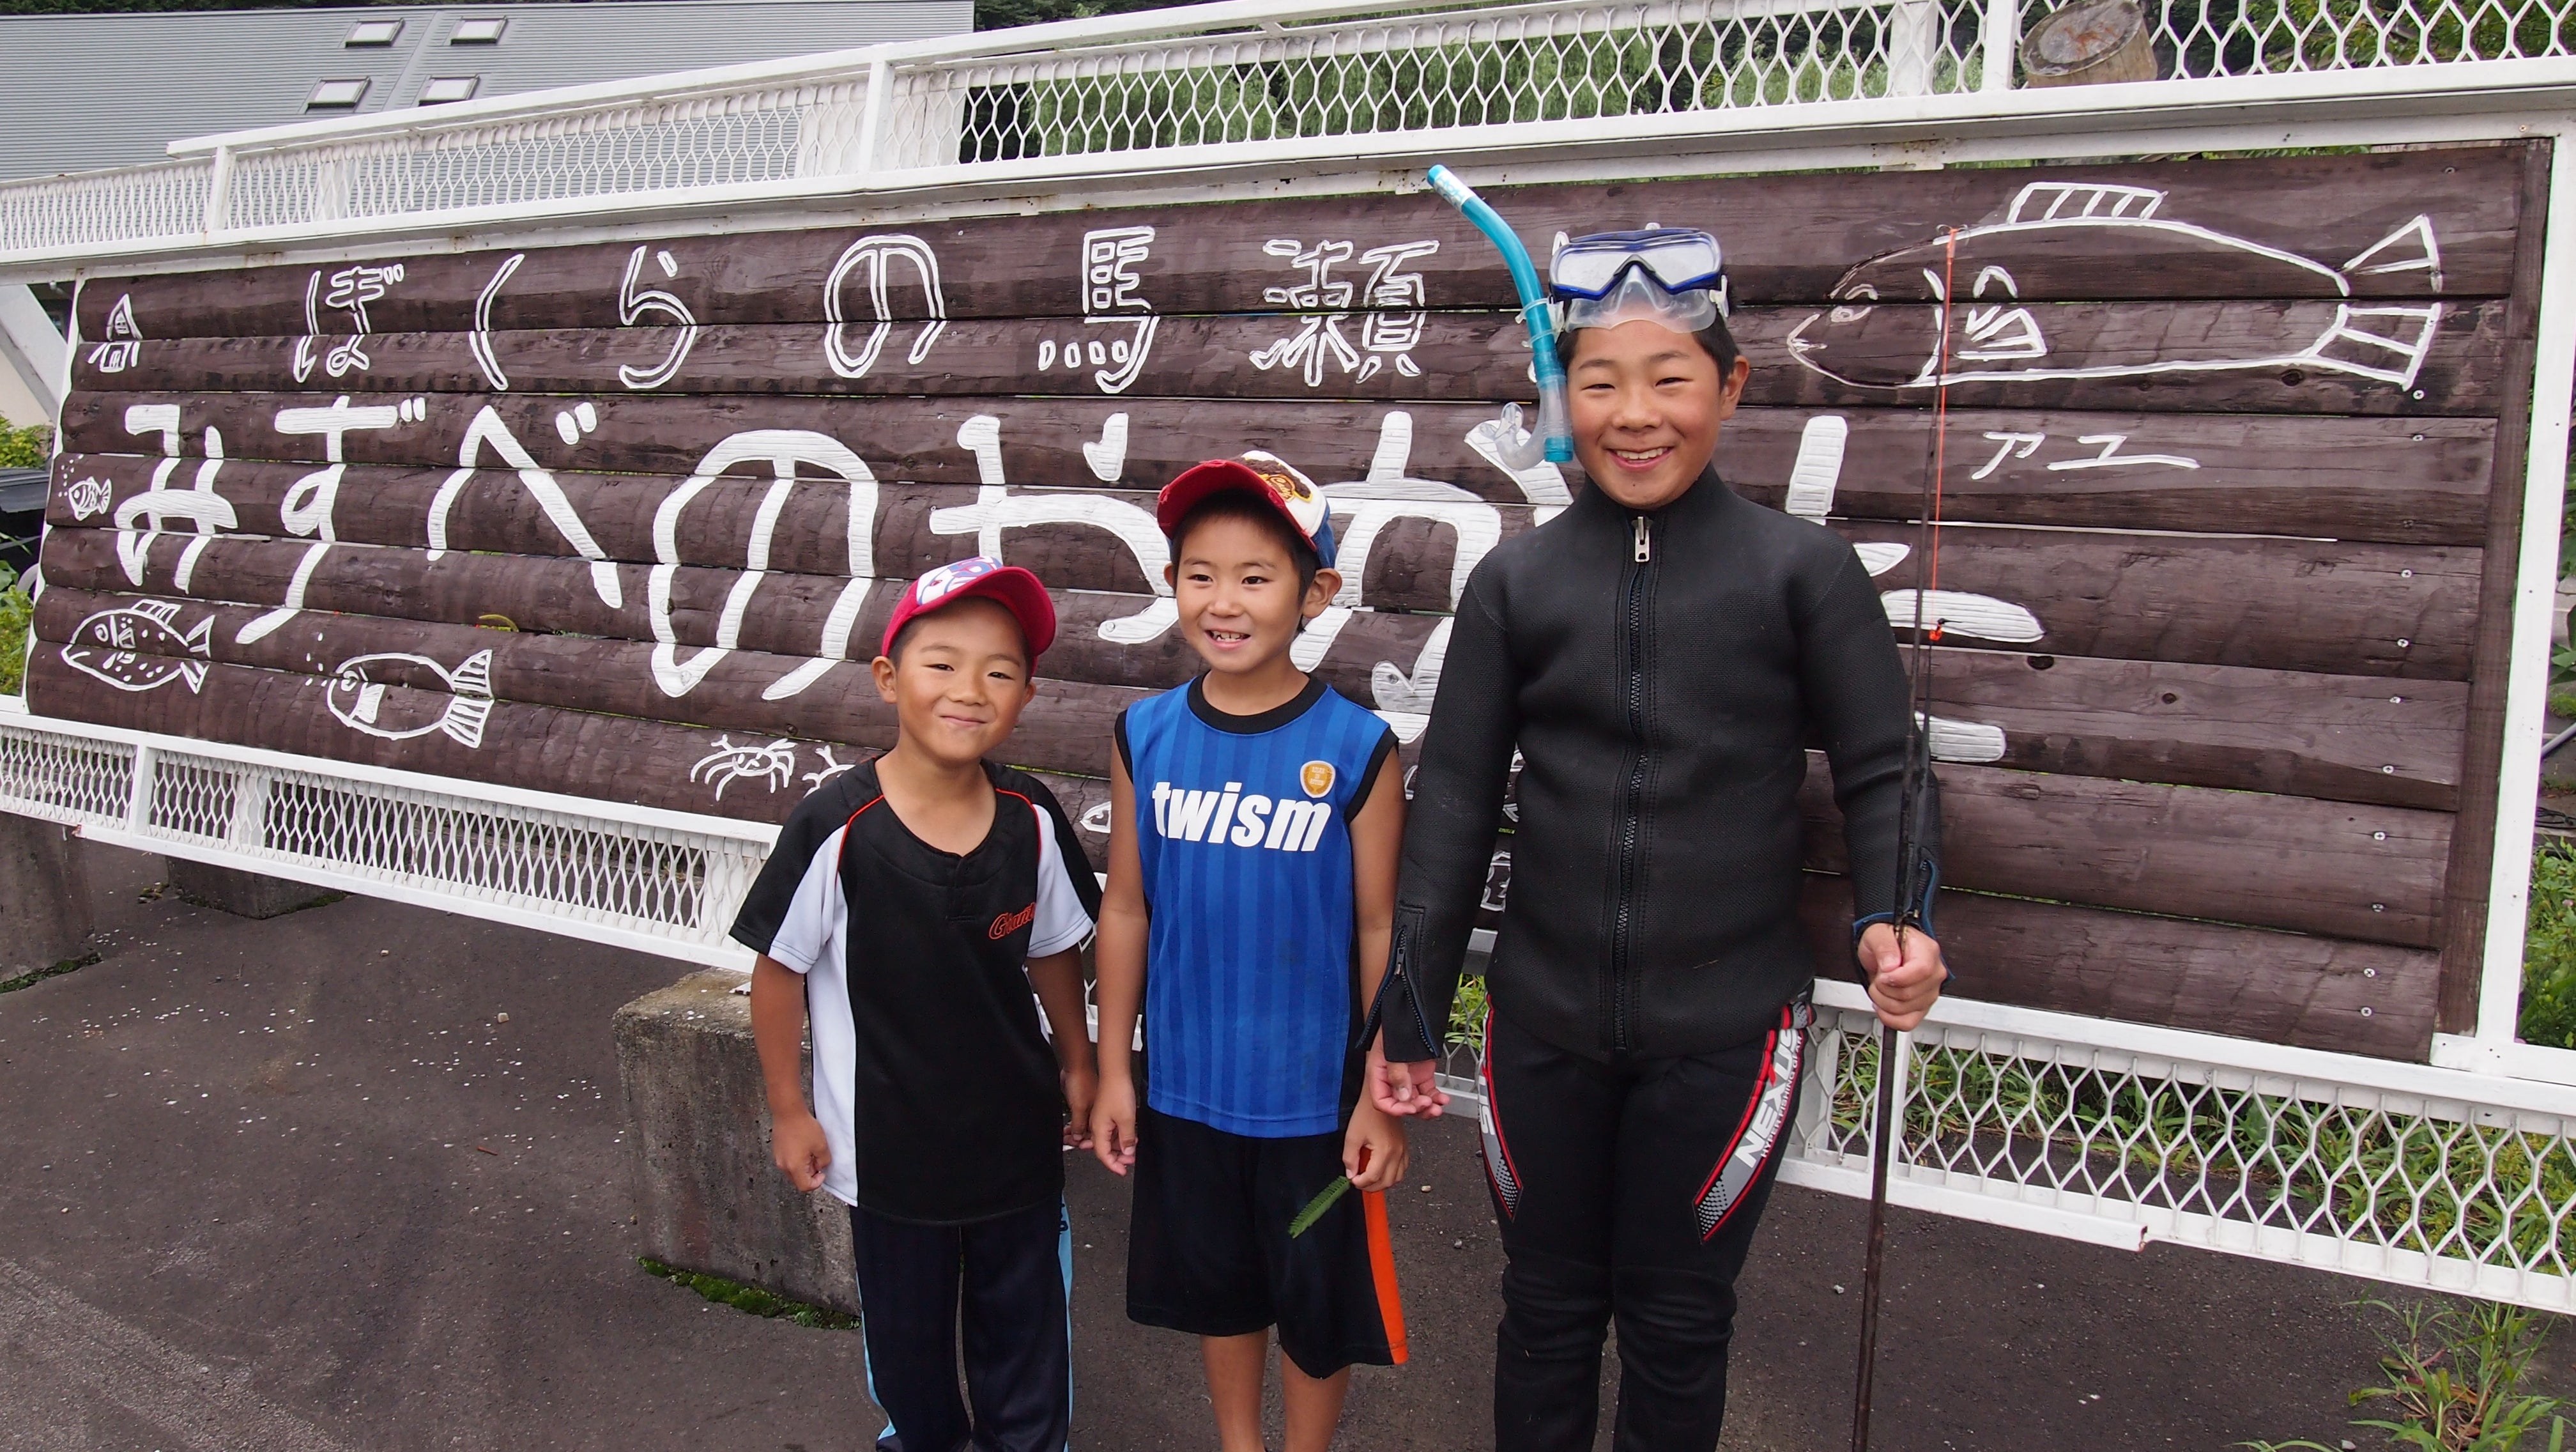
(297, 1185)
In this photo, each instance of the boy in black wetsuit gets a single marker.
(913, 903)
(1662, 654)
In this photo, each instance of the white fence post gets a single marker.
(1913, 36)
(219, 192)
(138, 806)
(2002, 44)
(872, 119)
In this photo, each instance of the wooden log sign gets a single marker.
(2229, 482)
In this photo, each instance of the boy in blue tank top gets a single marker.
(1252, 852)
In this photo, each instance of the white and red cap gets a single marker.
(1266, 476)
(1015, 589)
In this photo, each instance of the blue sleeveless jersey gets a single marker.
(1242, 824)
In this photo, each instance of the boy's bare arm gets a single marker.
(1373, 1150)
(1119, 958)
(796, 1143)
(1377, 841)
(1377, 847)
(1057, 981)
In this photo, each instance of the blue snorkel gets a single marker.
(1554, 439)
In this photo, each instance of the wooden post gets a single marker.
(2464, 935)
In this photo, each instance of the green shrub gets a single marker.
(17, 615)
(27, 448)
(2549, 951)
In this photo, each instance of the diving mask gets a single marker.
(1674, 276)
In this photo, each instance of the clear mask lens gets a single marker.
(1637, 297)
(1681, 259)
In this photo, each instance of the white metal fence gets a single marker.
(656, 881)
(1173, 82)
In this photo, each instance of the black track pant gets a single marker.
(1002, 1282)
(1628, 1190)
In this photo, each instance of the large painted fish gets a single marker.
(364, 703)
(1996, 339)
(136, 647)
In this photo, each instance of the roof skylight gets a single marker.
(449, 88)
(336, 95)
(374, 32)
(486, 31)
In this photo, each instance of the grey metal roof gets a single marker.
(22, 491)
(85, 91)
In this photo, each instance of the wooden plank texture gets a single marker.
(1788, 239)
(2473, 846)
(2323, 736)
(2385, 610)
(2283, 988)
(2258, 356)
(2372, 873)
(577, 753)
(2406, 481)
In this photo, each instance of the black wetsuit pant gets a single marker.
(1627, 1190)
(1002, 1283)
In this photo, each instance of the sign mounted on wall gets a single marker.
(2219, 695)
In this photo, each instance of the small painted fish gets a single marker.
(364, 703)
(88, 496)
(136, 648)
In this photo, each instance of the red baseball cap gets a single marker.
(1016, 589)
(1266, 476)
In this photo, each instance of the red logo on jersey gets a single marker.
(1009, 923)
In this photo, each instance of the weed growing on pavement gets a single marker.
(34, 976)
(751, 1299)
(2451, 1380)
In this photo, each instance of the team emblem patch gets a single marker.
(1316, 777)
(1009, 923)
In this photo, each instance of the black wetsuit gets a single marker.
(1662, 676)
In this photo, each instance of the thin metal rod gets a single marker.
(1918, 766)
(2559, 740)
(1881, 1147)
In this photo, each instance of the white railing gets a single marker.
(130, 204)
(659, 882)
(2107, 1132)
(1176, 83)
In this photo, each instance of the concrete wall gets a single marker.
(706, 1195)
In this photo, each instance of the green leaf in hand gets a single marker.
(1315, 1208)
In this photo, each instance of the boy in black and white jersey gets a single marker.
(911, 905)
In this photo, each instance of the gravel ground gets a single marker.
(292, 1185)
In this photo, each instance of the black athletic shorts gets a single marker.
(1208, 1252)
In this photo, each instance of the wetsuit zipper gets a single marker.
(1632, 826)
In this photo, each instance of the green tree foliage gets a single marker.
(26, 448)
(1000, 14)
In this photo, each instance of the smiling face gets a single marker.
(958, 681)
(1646, 403)
(1238, 593)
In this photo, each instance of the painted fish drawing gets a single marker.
(363, 702)
(88, 496)
(1994, 339)
(138, 648)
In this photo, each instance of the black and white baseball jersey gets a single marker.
(933, 1079)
